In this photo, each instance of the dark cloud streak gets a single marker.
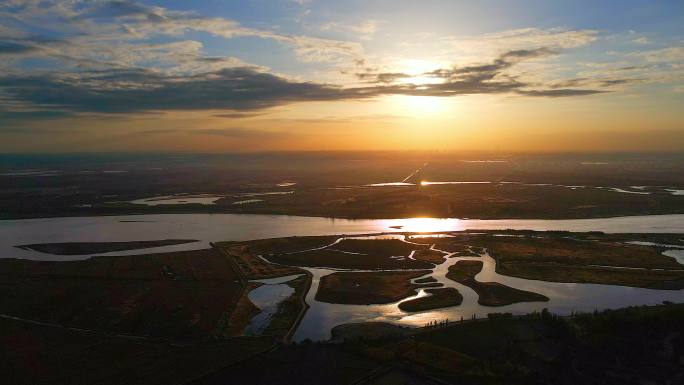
(9, 47)
(247, 89)
(560, 92)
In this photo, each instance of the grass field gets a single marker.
(586, 258)
(366, 254)
(368, 288)
(287, 244)
(250, 265)
(172, 295)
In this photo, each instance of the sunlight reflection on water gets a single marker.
(423, 225)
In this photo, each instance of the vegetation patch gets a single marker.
(490, 293)
(287, 244)
(439, 298)
(338, 259)
(429, 255)
(380, 247)
(367, 288)
(572, 250)
(85, 248)
(368, 330)
(176, 295)
(651, 279)
(586, 258)
(250, 265)
(459, 243)
(429, 279)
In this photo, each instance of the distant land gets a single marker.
(345, 185)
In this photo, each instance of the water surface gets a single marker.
(240, 227)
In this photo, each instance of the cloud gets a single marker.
(227, 132)
(121, 8)
(592, 82)
(121, 56)
(340, 119)
(157, 131)
(365, 29)
(106, 31)
(138, 90)
(461, 80)
(560, 92)
(144, 21)
(663, 55)
(10, 48)
(642, 40)
(382, 77)
(325, 50)
(525, 38)
(488, 71)
(243, 89)
(239, 133)
(31, 115)
(238, 115)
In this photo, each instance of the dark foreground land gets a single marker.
(177, 297)
(336, 184)
(42, 354)
(180, 317)
(629, 346)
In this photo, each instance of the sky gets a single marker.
(291, 75)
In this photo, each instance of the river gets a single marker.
(239, 227)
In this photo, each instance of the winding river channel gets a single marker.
(321, 317)
(565, 298)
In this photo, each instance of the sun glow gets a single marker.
(423, 106)
(419, 71)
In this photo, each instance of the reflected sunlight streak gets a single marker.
(424, 225)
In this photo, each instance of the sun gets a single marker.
(418, 71)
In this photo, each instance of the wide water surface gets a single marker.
(239, 227)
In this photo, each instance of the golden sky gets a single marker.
(319, 75)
